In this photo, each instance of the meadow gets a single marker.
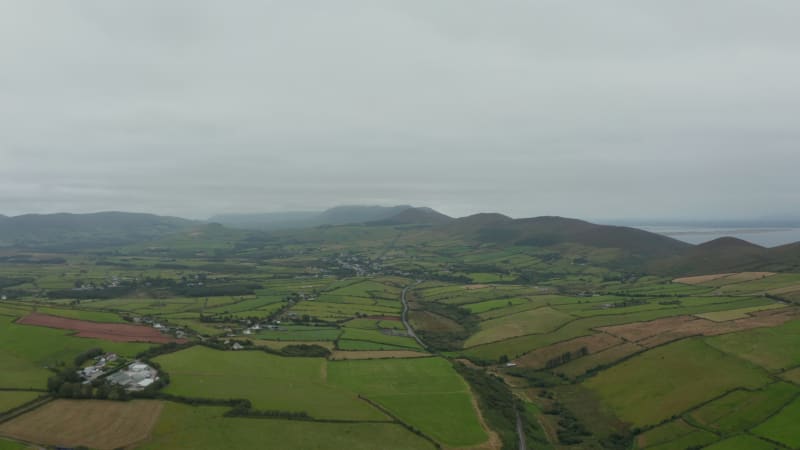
(270, 382)
(669, 380)
(424, 392)
(184, 426)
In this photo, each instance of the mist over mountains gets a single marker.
(633, 248)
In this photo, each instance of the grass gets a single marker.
(677, 435)
(783, 426)
(608, 356)
(92, 316)
(581, 327)
(774, 348)
(12, 445)
(378, 337)
(12, 399)
(204, 428)
(540, 320)
(344, 344)
(668, 380)
(301, 334)
(91, 423)
(26, 351)
(268, 381)
(742, 442)
(741, 410)
(741, 313)
(482, 307)
(424, 392)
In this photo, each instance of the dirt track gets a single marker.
(115, 332)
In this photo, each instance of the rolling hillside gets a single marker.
(54, 231)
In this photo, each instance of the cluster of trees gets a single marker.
(454, 339)
(102, 292)
(570, 430)
(87, 355)
(566, 357)
(670, 302)
(307, 350)
(500, 408)
(66, 383)
(6, 282)
(629, 302)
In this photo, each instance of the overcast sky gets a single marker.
(587, 109)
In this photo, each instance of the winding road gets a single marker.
(404, 316)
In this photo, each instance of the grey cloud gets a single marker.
(597, 109)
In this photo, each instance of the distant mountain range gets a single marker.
(339, 215)
(635, 249)
(66, 230)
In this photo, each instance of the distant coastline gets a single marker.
(764, 236)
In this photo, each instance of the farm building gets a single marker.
(135, 377)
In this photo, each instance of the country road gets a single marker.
(521, 433)
(404, 316)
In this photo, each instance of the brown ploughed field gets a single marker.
(115, 332)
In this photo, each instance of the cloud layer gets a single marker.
(628, 109)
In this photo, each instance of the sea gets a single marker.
(765, 237)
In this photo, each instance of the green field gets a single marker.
(300, 333)
(742, 410)
(268, 381)
(783, 426)
(671, 379)
(27, 351)
(424, 392)
(12, 399)
(776, 348)
(378, 337)
(12, 445)
(536, 321)
(742, 442)
(200, 428)
(674, 435)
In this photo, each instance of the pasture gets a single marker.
(783, 426)
(205, 428)
(102, 425)
(27, 351)
(774, 348)
(669, 380)
(12, 399)
(535, 321)
(268, 381)
(743, 409)
(742, 442)
(426, 393)
(674, 435)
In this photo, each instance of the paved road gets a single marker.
(404, 316)
(521, 433)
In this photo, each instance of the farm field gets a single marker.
(783, 426)
(536, 321)
(270, 382)
(744, 409)
(742, 442)
(670, 380)
(26, 351)
(674, 435)
(597, 348)
(103, 425)
(425, 392)
(12, 399)
(774, 348)
(107, 331)
(183, 426)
